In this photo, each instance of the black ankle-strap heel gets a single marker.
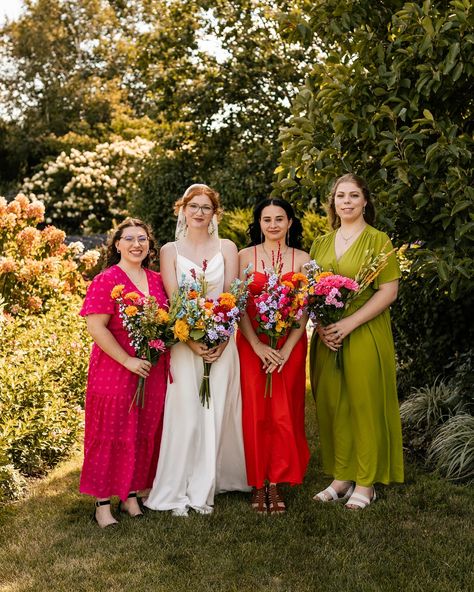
(132, 494)
(98, 505)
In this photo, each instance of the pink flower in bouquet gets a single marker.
(157, 344)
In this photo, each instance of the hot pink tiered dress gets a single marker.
(120, 448)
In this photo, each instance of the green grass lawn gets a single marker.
(418, 536)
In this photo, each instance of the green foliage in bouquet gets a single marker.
(43, 371)
(37, 269)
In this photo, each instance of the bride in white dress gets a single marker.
(202, 450)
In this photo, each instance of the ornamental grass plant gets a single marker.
(452, 449)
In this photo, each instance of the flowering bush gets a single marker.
(87, 190)
(43, 371)
(36, 266)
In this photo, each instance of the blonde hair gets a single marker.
(200, 189)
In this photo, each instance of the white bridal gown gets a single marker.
(202, 451)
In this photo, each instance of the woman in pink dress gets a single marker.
(121, 446)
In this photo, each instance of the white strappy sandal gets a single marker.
(330, 495)
(360, 501)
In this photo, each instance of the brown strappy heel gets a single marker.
(259, 500)
(276, 503)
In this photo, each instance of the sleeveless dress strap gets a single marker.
(220, 245)
(176, 247)
(255, 257)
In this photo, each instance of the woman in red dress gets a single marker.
(276, 450)
(120, 446)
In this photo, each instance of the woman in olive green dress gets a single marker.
(357, 405)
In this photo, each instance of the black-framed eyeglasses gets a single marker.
(194, 209)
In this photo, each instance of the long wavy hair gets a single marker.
(295, 232)
(113, 256)
(369, 214)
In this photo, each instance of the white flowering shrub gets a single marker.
(87, 191)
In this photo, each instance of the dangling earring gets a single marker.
(118, 250)
(288, 237)
(262, 238)
(363, 211)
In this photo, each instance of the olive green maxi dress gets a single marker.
(357, 405)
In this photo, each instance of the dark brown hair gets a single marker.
(369, 214)
(295, 232)
(113, 256)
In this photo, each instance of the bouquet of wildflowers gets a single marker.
(149, 328)
(330, 294)
(280, 306)
(211, 321)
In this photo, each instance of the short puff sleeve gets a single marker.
(98, 298)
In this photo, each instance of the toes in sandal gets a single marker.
(330, 495)
(122, 510)
(360, 501)
(276, 504)
(259, 500)
(94, 516)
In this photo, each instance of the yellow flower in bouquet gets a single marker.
(117, 291)
(162, 316)
(299, 277)
(133, 296)
(227, 300)
(200, 324)
(131, 311)
(323, 275)
(181, 330)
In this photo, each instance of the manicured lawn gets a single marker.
(418, 536)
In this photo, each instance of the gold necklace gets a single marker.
(346, 240)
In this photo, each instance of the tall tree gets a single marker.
(392, 101)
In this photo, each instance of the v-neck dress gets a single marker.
(121, 448)
(202, 450)
(357, 404)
